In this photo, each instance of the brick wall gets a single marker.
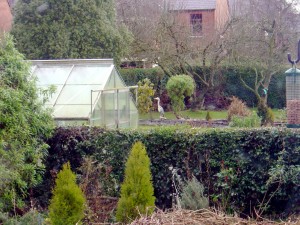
(5, 16)
(293, 111)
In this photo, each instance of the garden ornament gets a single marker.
(160, 108)
(294, 62)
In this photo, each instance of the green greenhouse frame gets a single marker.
(87, 92)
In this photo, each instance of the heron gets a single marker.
(160, 108)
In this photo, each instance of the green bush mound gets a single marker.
(264, 162)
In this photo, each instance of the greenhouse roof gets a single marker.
(74, 81)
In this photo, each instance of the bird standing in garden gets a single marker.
(160, 109)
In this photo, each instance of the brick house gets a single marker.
(5, 15)
(204, 17)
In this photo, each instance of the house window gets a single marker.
(196, 24)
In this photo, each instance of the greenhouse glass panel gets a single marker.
(123, 107)
(52, 75)
(90, 75)
(96, 118)
(108, 108)
(118, 81)
(134, 116)
(52, 99)
(71, 111)
(77, 94)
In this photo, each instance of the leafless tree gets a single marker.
(262, 37)
(165, 39)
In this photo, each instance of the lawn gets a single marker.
(279, 114)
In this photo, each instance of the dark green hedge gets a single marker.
(229, 85)
(250, 156)
(234, 87)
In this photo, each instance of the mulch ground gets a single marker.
(204, 217)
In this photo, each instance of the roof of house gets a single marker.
(192, 4)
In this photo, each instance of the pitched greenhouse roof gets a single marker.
(74, 80)
(192, 4)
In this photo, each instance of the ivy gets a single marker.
(254, 160)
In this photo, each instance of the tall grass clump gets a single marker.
(137, 192)
(237, 108)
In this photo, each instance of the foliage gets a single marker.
(133, 76)
(230, 86)
(137, 189)
(179, 87)
(145, 92)
(58, 30)
(24, 124)
(30, 218)
(98, 187)
(253, 120)
(251, 153)
(68, 201)
(237, 108)
(265, 113)
(208, 116)
(192, 196)
(226, 179)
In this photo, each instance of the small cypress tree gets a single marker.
(208, 116)
(67, 203)
(137, 192)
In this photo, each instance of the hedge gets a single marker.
(230, 85)
(231, 163)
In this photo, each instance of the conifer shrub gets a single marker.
(192, 196)
(68, 202)
(237, 108)
(137, 192)
(208, 116)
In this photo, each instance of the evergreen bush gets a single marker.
(179, 87)
(192, 196)
(68, 202)
(137, 192)
(251, 153)
(208, 116)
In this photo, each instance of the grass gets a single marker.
(201, 114)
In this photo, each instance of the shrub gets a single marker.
(24, 124)
(248, 121)
(237, 108)
(251, 153)
(265, 113)
(179, 87)
(30, 218)
(145, 92)
(208, 116)
(192, 196)
(137, 190)
(67, 204)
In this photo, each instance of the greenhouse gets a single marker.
(87, 91)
